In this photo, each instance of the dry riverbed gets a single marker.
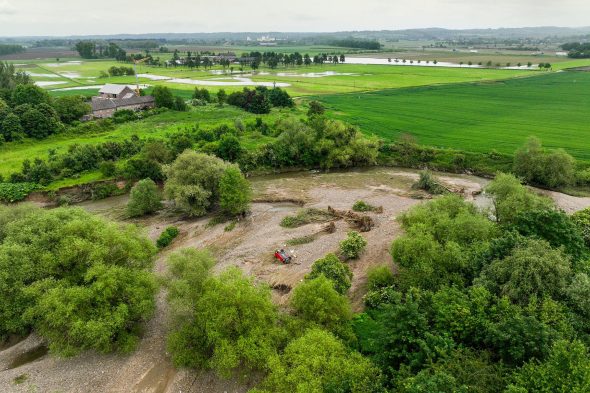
(26, 366)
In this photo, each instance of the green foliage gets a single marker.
(306, 216)
(232, 323)
(15, 192)
(362, 206)
(555, 227)
(163, 97)
(11, 129)
(167, 237)
(297, 241)
(455, 374)
(582, 220)
(429, 183)
(71, 108)
(144, 199)
(318, 362)
(334, 270)
(193, 182)
(353, 246)
(315, 109)
(229, 148)
(317, 302)
(78, 280)
(28, 94)
(532, 270)
(235, 193)
(511, 198)
(380, 277)
(550, 169)
(567, 369)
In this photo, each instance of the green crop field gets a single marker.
(479, 117)
(302, 81)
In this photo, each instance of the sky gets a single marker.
(85, 17)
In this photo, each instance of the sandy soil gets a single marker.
(249, 246)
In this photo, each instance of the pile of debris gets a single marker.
(361, 222)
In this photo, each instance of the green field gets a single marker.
(479, 117)
(157, 127)
(347, 78)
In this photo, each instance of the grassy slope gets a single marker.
(13, 154)
(479, 117)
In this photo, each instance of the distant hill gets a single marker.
(407, 34)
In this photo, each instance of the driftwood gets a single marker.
(362, 222)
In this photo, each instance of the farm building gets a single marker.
(113, 98)
(116, 91)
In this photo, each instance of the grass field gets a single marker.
(357, 78)
(157, 127)
(479, 117)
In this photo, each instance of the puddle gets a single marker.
(48, 83)
(35, 75)
(157, 379)
(235, 81)
(67, 63)
(98, 87)
(316, 74)
(28, 357)
(423, 63)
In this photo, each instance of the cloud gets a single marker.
(6, 8)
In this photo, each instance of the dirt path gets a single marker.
(249, 246)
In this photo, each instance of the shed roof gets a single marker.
(112, 89)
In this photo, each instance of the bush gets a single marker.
(537, 166)
(429, 183)
(15, 192)
(144, 199)
(222, 323)
(315, 108)
(334, 270)
(79, 281)
(362, 206)
(379, 277)
(235, 193)
(193, 182)
(103, 191)
(353, 245)
(167, 236)
(319, 362)
(108, 168)
(306, 216)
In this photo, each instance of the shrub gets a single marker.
(379, 277)
(108, 168)
(429, 183)
(193, 182)
(353, 245)
(103, 191)
(317, 302)
(235, 193)
(167, 236)
(78, 280)
(362, 206)
(15, 192)
(537, 166)
(334, 270)
(124, 115)
(315, 108)
(319, 362)
(223, 323)
(306, 216)
(144, 199)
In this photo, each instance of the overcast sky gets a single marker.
(71, 17)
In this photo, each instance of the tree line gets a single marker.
(577, 50)
(10, 49)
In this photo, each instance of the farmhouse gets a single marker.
(112, 98)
